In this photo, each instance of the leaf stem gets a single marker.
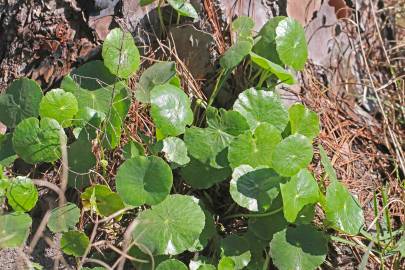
(217, 87)
(256, 215)
(159, 10)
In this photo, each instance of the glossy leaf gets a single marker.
(301, 190)
(254, 189)
(64, 218)
(235, 54)
(74, 243)
(255, 149)
(144, 180)
(22, 194)
(283, 75)
(38, 141)
(101, 199)
(292, 154)
(172, 264)
(303, 121)
(343, 211)
(120, 54)
(14, 229)
(291, 43)
(236, 248)
(157, 74)
(184, 8)
(7, 153)
(300, 248)
(259, 106)
(164, 231)
(20, 101)
(202, 175)
(175, 151)
(59, 105)
(226, 263)
(170, 109)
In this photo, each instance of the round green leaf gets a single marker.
(292, 154)
(202, 175)
(172, 264)
(301, 190)
(59, 105)
(74, 243)
(120, 54)
(14, 229)
(164, 231)
(175, 151)
(303, 121)
(265, 227)
(259, 106)
(144, 180)
(36, 141)
(139, 253)
(20, 101)
(237, 248)
(235, 54)
(254, 189)
(243, 26)
(300, 248)
(64, 218)
(226, 263)
(254, 149)
(291, 43)
(159, 73)
(327, 165)
(133, 149)
(101, 199)
(7, 153)
(170, 109)
(184, 8)
(343, 210)
(22, 194)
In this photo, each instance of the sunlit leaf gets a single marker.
(101, 199)
(133, 149)
(14, 229)
(283, 75)
(22, 194)
(64, 218)
(184, 8)
(171, 264)
(175, 151)
(303, 121)
(327, 165)
(243, 26)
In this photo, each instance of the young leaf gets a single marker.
(327, 165)
(301, 248)
(259, 106)
(81, 160)
(119, 110)
(226, 263)
(292, 154)
(20, 101)
(291, 43)
(64, 218)
(74, 243)
(59, 105)
(164, 231)
(301, 190)
(22, 194)
(7, 153)
(183, 8)
(265, 227)
(235, 54)
(254, 189)
(14, 229)
(243, 26)
(254, 149)
(120, 54)
(157, 74)
(303, 121)
(236, 248)
(101, 199)
(171, 265)
(266, 45)
(36, 141)
(343, 210)
(175, 151)
(144, 180)
(202, 175)
(283, 75)
(170, 109)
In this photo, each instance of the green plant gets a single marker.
(259, 147)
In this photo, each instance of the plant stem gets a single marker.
(162, 24)
(217, 87)
(263, 77)
(178, 18)
(256, 215)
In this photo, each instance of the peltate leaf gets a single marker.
(64, 218)
(22, 194)
(235, 54)
(120, 54)
(184, 8)
(164, 231)
(243, 26)
(144, 180)
(74, 243)
(171, 265)
(303, 121)
(133, 149)
(175, 151)
(14, 229)
(101, 199)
